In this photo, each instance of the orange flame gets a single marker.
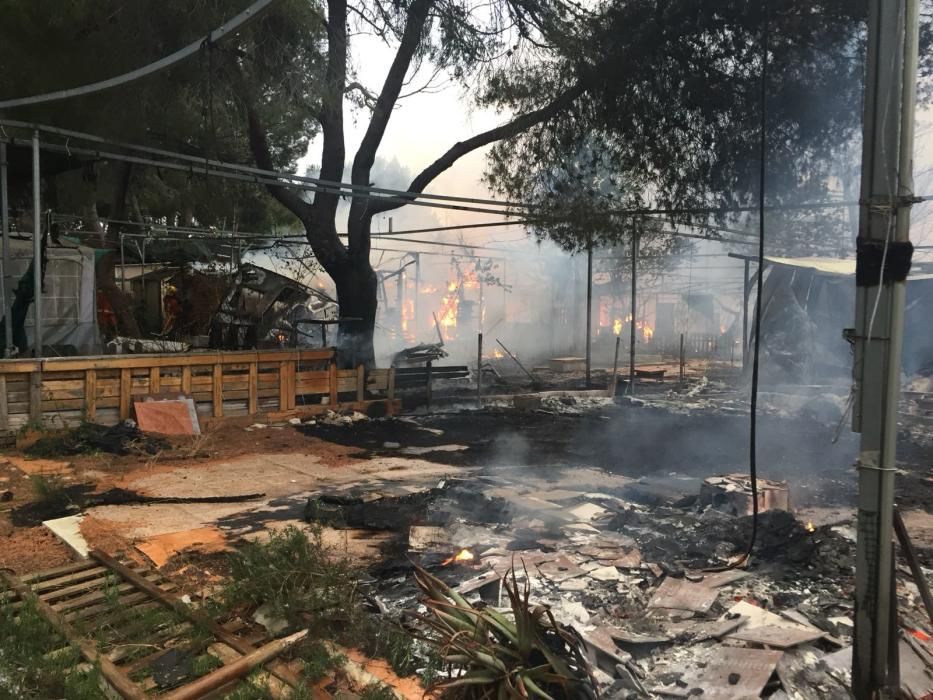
(617, 326)
(464, 555)
(810, 526)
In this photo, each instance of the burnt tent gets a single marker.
(807, 303)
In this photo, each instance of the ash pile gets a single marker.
(647, 582)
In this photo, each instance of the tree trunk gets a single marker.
(356, 295)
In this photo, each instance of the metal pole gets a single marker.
(615, 369)
(479, 370)
(36, 248)
(746, 287)
(417, 293)
(589, 307)
(683, 360)
(5, 273)
(631, 350)
(122, 266)
(881, 268)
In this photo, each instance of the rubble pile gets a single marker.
(648, 588)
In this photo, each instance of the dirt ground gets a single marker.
(665, 452)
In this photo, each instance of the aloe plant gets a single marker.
(524, 653)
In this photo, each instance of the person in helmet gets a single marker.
(171, 307)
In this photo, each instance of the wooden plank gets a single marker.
(58, 571)
(198, 618)
(155, 376)
(90, 394)
(50, 593)
(283, 386)
(253, 401)
(96, 596)
(20, 366)
(125, 379)
(237, 669)
(332, 383)
(101, 610)
(217, 398)
(390, 391)
(119, 680)
(360, 383)
(186, 380)
(35, 398)
(4, 406)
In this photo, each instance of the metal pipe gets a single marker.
(631, 350)
(746, 290)
(479, 370)
(6, 271)
(36, 247)
(589, 307)
(888, 127)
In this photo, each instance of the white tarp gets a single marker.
(69, 303)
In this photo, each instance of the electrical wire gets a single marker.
(756, 348)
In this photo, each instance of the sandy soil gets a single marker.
(31, 549)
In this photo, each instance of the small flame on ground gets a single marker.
(464, 555)
(810, 526)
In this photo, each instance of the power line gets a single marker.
(236, 23)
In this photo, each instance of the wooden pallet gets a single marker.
(96, 606)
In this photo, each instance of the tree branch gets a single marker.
(366, 154)
(262, 154)
(460, 149)
(368, 97)
(333, 150)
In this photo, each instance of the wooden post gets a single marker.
(283, 386)
(479, 370)
(186, 380)
(615, 369)
(90, 394)
(390, 384)
(126, 388)
(292, 383)
(217, 386)
(252, 406)
(428, 386)
(4, 406)
(361, 383)
(332, 382)
(35, 398)
(155, 380)
(239, 668)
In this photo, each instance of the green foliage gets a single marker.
(525, 654)
(49, 489)
(377, 691)
(36, 663)
(297, 577)
(204, 664)
(670, 115)
(196, 107)
(299, 580)
(317, 659)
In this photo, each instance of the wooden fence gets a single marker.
(101, 389)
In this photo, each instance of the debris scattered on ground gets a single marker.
(121, 439)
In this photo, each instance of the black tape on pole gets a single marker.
(869, 254)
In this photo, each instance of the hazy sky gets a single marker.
(426, 125)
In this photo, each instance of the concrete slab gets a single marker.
(68, 530)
